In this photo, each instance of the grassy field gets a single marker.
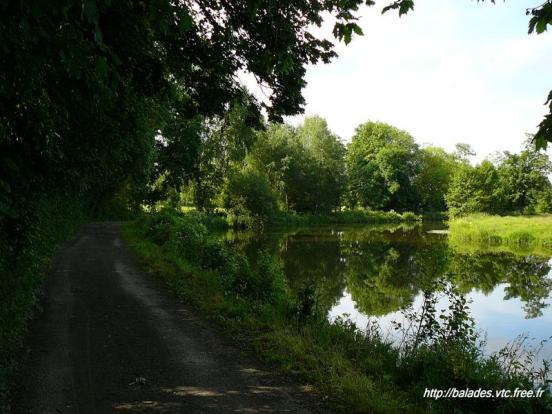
(359, 371)
(524, 233)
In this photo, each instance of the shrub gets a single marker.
(248, 193)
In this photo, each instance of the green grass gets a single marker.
(344, 217)
(360, 372)
(522, 233)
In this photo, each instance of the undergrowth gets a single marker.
(360, 371)
(24, 261)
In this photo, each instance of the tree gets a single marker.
(463, 152)
(85, 87)
(224, 144)
(329, 155)
(305, 166)
(432, 182)
(382, 162)
(524, 184)
(277, 154)
(248, 193)
(474, 189)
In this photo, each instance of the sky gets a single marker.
(450, 71)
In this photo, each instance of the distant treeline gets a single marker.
(258, 172)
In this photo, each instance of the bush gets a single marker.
(185, 236)
(249, 194)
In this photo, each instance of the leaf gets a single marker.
(347, 36)
(549, 99)
(404, 6)
(90, 11)
(541, 25)
(186, 22)
(98, 36)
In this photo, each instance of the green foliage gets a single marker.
(345, 217)
(187, 237)
(519, 184)
(304, 166)
(329, 163)
(359, 370)
(541, 17)
(99, 98)
(248, 195)
(544, 134)
(524, 183)
(381, 164)
(225, 142)
(433, 180)
(473, 189)
(404, 6)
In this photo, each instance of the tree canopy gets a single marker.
(516, 183)
(98, 99)
(86, 87)
(382, 162)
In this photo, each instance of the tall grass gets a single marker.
(528, 233)
(361, 371)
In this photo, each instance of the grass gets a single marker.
(522, 233)
(360, 371)
(343, 217)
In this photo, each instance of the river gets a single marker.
(384, 276)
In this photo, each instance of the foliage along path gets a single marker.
(111, 339)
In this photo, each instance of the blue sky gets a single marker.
(451, 71)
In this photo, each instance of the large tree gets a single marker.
(382, 163)
(524, 183)
(85, 87)
(474, 189)
(328, 154)
(518, 183)
(432, 182)
(305, 165)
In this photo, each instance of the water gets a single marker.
(373, 273)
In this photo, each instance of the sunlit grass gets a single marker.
(514, 233)
(344, 217)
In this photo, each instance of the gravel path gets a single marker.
(111, 339)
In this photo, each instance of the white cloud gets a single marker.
(448, 72)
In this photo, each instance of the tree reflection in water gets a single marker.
(385, 269)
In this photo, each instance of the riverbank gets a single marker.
(344, 217)
(526, 233)
(222, 219)
(359, 371)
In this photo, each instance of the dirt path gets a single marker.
(112, 340)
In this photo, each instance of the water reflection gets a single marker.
(377, 272)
